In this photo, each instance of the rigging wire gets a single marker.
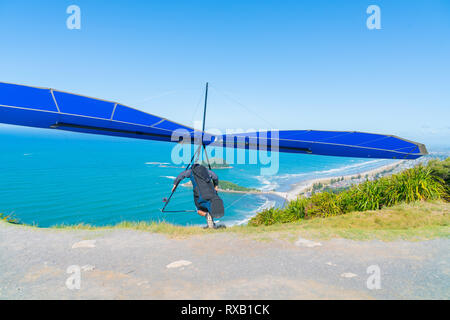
(200, 99)
(198, 152)
(251, 111)
(195, 156)
(240, 198)
(248, 109)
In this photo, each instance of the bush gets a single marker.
(368, 195)
(9, 218)
(323, 204)
(414, 184)
(419, 183)
(441, 169)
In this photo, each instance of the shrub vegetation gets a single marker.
(430, 182)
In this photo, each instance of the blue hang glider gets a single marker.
(54, 109)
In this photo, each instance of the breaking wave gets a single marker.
(169, 177)
(266, 205)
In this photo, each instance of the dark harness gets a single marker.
(205, 196)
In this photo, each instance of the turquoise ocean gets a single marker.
(52, 177)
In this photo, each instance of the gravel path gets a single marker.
(127, 264)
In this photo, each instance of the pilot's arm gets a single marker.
(183, 175)
(215, 179)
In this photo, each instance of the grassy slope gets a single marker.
(416, 184)
(414, 221)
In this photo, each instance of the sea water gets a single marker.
(55, 177)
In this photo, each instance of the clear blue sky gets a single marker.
(295, 64)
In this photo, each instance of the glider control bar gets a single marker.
(62, 125)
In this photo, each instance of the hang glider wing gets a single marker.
(328, 143)
(48, 108)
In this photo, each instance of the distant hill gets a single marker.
(216, 163)
(227, 186)
(230, 186)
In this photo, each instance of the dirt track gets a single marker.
(126, 264)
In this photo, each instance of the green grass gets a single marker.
(441, 169)
(414, 221)
(9, 218)
(407, 205)
(155, 227)
(419, 220)
(415, 184)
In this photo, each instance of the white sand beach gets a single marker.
(304, 186)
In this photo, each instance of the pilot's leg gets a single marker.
(210, 221)
(203, 208)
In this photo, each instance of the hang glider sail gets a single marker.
(54, 109)
(48, 108)
(329, 143)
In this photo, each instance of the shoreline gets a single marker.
(280, 194)
(304, 186)
(301, 187)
